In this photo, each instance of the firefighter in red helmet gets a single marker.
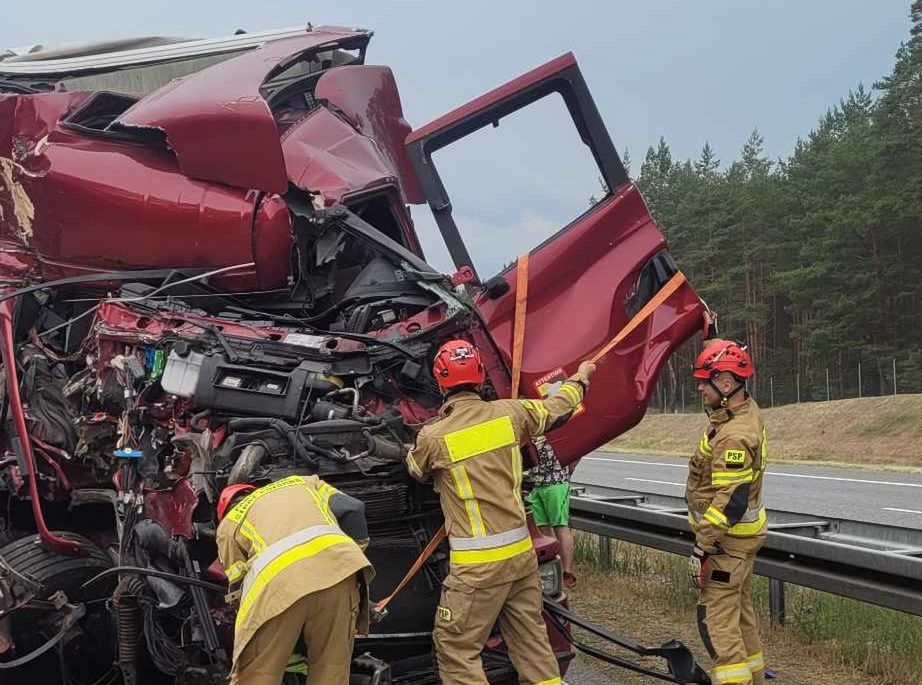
(724, 495)
(472, 452)
(292, 553)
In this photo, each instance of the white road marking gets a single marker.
(770, 473)
(846, 480)
(904, 511)
(628, 461)
(663, 482)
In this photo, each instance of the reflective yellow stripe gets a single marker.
(327, 491)
(731, 673)
(484, 437)
(729, 477)
(745, 529)
(537, 407)
(575, 395)
(692, 521)
(466, 493)
(716, 517)
(413, 466)
(763, 450)
(283, 561)
(238, 513)
(486, 556)
(552, 681)
(756, 661)
(517, 478)
(235, 571)
(324, 510)
(250, 533)
(704, 445)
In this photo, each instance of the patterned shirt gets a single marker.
(548, 470)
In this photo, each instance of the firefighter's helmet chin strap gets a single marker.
(724, 399)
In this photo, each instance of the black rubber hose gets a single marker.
(175, 577)
(128, 621)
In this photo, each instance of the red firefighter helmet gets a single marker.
(723, 355)
(458, 363)
(228, 494)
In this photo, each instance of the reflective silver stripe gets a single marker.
(264, 558)
(489, 541)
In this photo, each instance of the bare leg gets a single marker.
(565, 537)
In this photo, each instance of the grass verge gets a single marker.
(828, 640)
(872, 432)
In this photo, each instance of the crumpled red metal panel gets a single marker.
(25, 124)
(173, 509)
(216, 120)
(326, 155)
(368, 97)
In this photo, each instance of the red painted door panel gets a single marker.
(586, 283)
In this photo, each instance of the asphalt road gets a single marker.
(885, 497)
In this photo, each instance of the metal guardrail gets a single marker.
(873, 563)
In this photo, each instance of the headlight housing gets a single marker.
(551, 575)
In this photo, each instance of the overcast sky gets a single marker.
(690, 71)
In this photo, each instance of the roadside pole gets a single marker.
(776, 603)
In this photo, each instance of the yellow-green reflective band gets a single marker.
(413, 466)
(756, 661)
(692, 521)
(704, 445)
(466, 493)
(324, 510)
(235, 571)
(537, 407)
(575, 395)
(484, 437)
(250, 533)
(517, 478)
(730, 477)
(731, 673)
(240, 510)
(552, 681)
(283, 561)
(747, 528)
(716, 517)
(486, 556)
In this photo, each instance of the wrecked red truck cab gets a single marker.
(210, 275)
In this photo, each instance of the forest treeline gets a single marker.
(814, 260)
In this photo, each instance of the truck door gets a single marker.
(603, 284)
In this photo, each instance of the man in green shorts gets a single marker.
(550, 504)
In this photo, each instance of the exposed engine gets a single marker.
(142, 403)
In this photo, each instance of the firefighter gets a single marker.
(724, 495)
(472, 451)
(292, 553)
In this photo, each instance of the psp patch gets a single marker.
(734, 456)
(444, 613)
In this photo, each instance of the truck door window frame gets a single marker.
(562, 76)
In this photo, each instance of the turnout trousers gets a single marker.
(325, 619)
(465, 618)
(727, 621)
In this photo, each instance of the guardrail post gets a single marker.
(605, 553)
(776, 601)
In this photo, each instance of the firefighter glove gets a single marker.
(697, 567)
(585, 371)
